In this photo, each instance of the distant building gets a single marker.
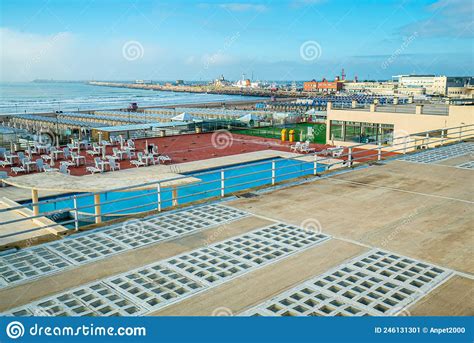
(433, 85)
(221, 82)
(373, 87)
(411, 90)
(310, 86)
(143, 82)
(323, 86)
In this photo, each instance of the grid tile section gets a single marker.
(419, 276)
(467, 165)
(53, 257)
(196, 218)
(290, 236)
(86, 248)
(28, 264)
(269, 243)
(180, 223)
(375, 295)
(252, 249)
(217, 214)
(96, 299)
(439, 154)
(154, 286)
(208, 266)
(305, 301)
(137, 234)
(375, 283)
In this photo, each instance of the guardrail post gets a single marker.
(158, 194)
(222, 183)
(379, 152)
(443, 134)
(427, 141)
(76, 214)
(349, 157)
(97, 209)
(273, 173)
(174, 196)
(315, 165)
(34, 199)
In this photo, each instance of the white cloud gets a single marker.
(448, 18)
(26, 55)
(63, 55)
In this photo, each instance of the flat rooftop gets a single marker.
(428, 109)
(393, 238)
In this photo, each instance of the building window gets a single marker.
(352, 131)
(336, 129)
(369, 133)
(386, 133)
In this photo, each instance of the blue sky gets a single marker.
(195, 40)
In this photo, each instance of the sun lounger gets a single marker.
(93, 170)
(92, 152)
(48, 168)
(295, 147)
(139, 161)
(164, 158)
(305, 148)
(5, 163)
(337, 152)
(17, 170)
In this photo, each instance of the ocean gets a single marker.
(31, 97)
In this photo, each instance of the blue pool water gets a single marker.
(237, 178)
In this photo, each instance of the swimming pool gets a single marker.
(236, 178)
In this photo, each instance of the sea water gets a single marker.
(32, 97)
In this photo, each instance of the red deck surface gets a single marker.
(194, 147)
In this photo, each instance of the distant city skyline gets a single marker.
(273, 40)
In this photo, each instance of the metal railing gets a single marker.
(260, 174)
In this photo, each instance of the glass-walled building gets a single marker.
(360, 132)
(388, 124)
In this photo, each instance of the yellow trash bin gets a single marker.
(283, 135)
(291, 136)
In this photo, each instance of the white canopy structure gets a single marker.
(249, 117)
(183, 117)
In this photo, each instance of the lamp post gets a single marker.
(57, 130)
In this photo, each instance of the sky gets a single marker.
(265, 40)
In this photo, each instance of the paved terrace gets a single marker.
(192, 147)
(394, 238)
